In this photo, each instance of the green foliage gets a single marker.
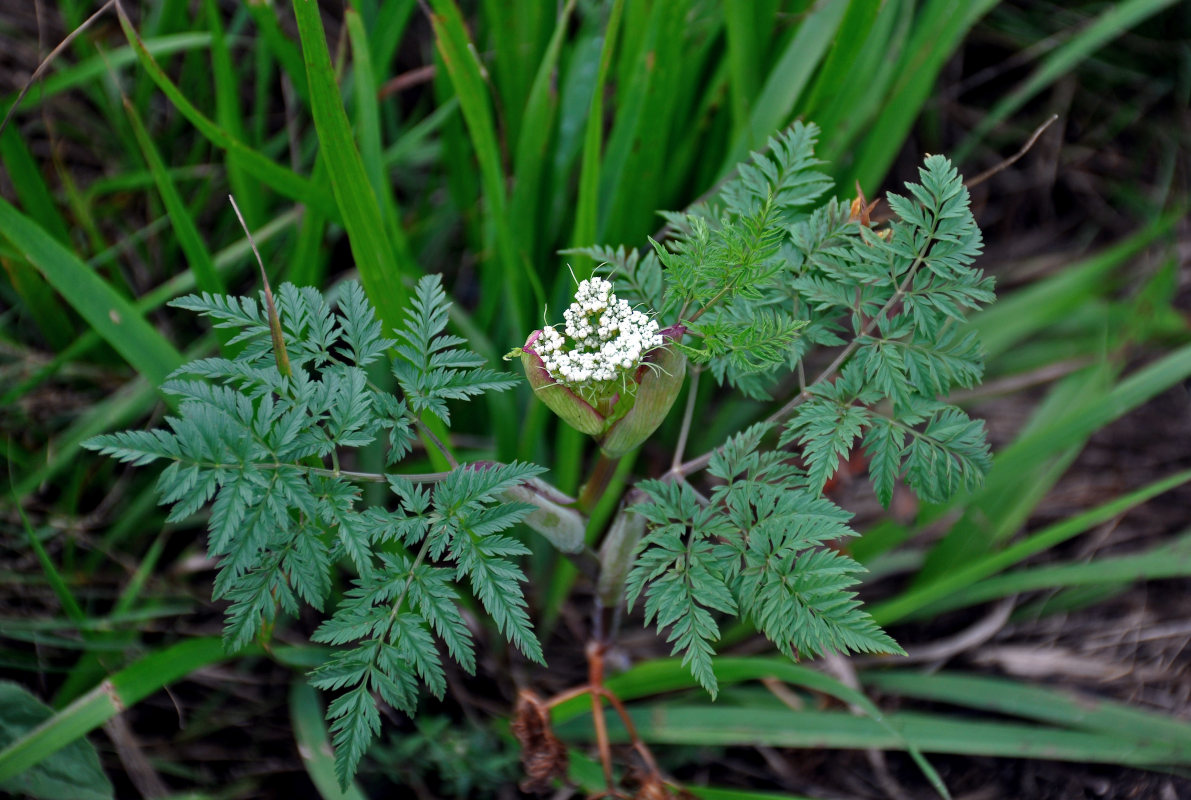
(253, 443)
(467, 760)
(757, 277)
(429, 366)
(650, 84)
(755, 548)
(72, 773)
(393, 614)
(726, 268)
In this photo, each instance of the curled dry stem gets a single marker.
(531, 726)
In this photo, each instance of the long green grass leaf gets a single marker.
(633, 163)
(229, 116)
(35, 198)
(744, 57)
(1044, 704)
(84, 72)
(179, 284)
(963, 575)
(277, 177)
(1022, 471)
(380, 271)
(723, 725)
(667, 675)
(104, 309)
(1168, 561)
(1115, 20)
(514, 273)
(839, 74)
(787, 80)
(938, 28)
(111, 697)
(1021, 313)
(587, 205)
(536, 126)
(198, 257)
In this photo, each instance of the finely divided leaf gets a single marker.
(429, 366)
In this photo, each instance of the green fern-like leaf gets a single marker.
(392, 616)
(759, 549)
(430, 368)
(262, 450)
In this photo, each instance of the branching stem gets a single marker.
(702, 461)
(703, 309)
(424, 429)
(601, 476)
(595, 687)
(361, 477)
(595, 680)
(688, 414)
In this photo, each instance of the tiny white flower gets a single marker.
(602, 336)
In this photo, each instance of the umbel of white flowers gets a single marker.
(611, 373)
(605, 336)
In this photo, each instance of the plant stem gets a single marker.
(362, 477)
(688, 414)
(601, 476)
(279, 353)
(595, 679)
(702, 309)
(424, 429)
(699, 463)
(638, 744)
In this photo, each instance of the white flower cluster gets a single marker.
(603, 336)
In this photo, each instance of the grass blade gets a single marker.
(314, 747)
(181, 283)
(34, 196)
(1114, 21)
(229, 117)
(514, 273)
(380, 273)
(963, 575)
(82, 73)
(277, 177)
(1022, 471)
(744, 57)
(788, 78)
(198, 257)
(667, 675)
(104, 309)
(938, 29)
(587, 205)
(1168, 561)
(838, 74)
(73, 772)
(633, 163)
(1044, 704)
(723, 725)
(1015, 317)
(536, 126)
(111, 697)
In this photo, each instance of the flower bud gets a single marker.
(574, 410)
(659, 380)
(612, 375)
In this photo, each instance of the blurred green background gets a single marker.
(385, 140)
